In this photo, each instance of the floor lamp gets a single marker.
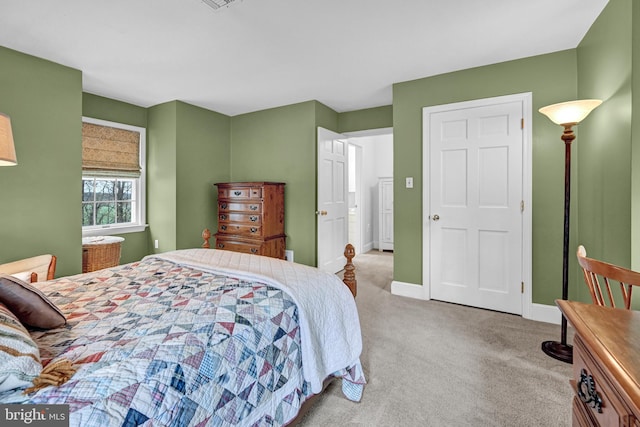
(566, 114)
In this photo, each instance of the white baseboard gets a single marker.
(409, 290)
(537, 312)
(546, 313)
(367, 247)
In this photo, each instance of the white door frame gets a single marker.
(527, 159)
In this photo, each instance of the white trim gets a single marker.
(527, 158)
(124, 229)
(545, 313)
(410, 290)
(141, 189)
(369, 132)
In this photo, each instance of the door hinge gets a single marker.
(522, 123)
(521, 205)
(522, 287)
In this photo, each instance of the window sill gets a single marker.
(102, 231)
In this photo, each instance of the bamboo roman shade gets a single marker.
(110, 150)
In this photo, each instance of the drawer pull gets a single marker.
(223, 217)
(237, 193)
(586, 389)
(254, 229)
(253, 207)
(221, 245)
(223, 206)
(253, 218)
(223, 227)
(254, 251)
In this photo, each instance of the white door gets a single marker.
(385, 214)
(475, 197)
(333, 206)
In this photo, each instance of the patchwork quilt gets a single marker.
(159, 343)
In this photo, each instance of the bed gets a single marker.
(195, 337)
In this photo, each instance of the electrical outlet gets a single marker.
(155, 244)
(288, 255)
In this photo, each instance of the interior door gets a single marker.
(332, 207)
(475, 218)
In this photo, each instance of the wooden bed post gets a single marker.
(349, 277)
(350, 270)
(206, 235)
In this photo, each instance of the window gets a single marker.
(113, 177)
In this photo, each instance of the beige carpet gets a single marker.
(430, 363)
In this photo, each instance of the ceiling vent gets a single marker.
(217, 4)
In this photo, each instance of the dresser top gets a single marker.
(249, 183)
(613, 335)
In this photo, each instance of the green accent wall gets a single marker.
(188, 151)
(550, 78)
(203, 149)
(135, 245)
(39, 198)
(635, 141)
(161, 175)
(604, 137)
(369, 118)
(279, 144)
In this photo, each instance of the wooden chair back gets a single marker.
(601, 276)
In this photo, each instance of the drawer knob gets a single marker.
(254, 229)
(223, 227)
(254, 251)
(223, 206)
(221, 245)
(223, 217)
(237, 193)
(586, 389)
(253, 207)
(253, 218)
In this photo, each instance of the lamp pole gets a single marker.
(561, 350)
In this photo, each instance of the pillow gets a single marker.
(19, 355)
(25, 276)
(29, 304)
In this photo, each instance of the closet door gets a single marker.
(385, 226)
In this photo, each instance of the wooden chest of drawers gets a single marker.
(606, 365)
(251, 218)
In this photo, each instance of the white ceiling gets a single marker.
(257, 54)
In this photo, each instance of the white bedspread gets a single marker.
(328, 317)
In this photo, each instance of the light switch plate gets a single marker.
(409, 182)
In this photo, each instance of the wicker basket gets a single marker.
(101, 254)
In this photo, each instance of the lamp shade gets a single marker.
(571, 112)
(7, 149)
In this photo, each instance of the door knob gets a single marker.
(321, 213)
(436, 217)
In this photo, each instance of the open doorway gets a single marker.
(370, 158)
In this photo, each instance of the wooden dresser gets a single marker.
(251, 218)
(606, 364)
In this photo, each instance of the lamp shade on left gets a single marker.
(571, 112)
(7, 149)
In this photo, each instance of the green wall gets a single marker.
(202, 159)
(135, 245)
(161, 175)
(188, 151)
(604, 138)
(40, 196)
(369, 118)
(279, 144)
(635, 142)
(551, 78)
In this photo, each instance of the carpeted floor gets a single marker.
(430, 363)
